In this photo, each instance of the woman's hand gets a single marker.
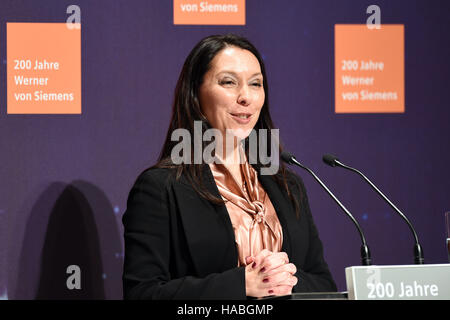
(269, 273)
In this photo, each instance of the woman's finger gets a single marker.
(277, 279)
(273, 261)
(249, 260)
(290, 267)
(280, 291)
(259, 258)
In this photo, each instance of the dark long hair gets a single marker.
(186, 110)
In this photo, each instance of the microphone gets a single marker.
(365, 252)
(333, 161)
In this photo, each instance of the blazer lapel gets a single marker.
(208, 229)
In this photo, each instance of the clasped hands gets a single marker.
(269, 273)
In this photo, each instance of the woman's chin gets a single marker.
(239, 133)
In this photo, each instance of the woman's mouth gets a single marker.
(242, 118)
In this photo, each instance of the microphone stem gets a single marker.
(383, 196)
(365, 253)
(418, 253)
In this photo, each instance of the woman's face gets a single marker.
(232, 93)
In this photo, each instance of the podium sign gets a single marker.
(402, 282)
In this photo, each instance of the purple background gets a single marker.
(64, 179)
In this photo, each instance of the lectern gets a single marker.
(391, 282)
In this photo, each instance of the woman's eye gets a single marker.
(226, 82)
(257, 84)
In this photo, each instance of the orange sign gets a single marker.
(369, 69)
(211, 12)
(43, 68)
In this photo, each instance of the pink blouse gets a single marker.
(255, 222)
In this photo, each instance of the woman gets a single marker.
(221, 230)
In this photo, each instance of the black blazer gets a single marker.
(180, 246)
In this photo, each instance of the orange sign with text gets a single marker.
(43, 68)
(211, 12)
(369, 69)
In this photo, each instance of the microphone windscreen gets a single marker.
(330, 160)
(286, 156)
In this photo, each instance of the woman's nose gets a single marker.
(244, 96)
